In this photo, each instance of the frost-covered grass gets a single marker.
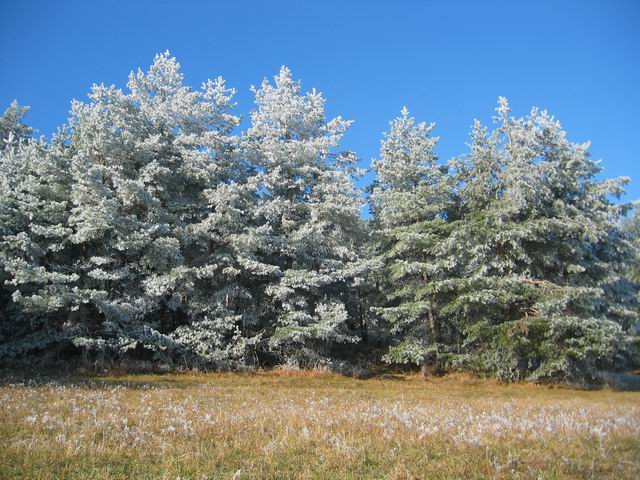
(301, 425)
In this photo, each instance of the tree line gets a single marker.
(148, 227)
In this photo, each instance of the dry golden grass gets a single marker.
(286, 424)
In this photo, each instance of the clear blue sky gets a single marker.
(448, 61)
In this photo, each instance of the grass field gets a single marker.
(308, 425)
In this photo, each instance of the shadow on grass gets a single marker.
(275, 377)
(91, 381)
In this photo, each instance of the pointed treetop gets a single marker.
(503, 109)
(163, 77)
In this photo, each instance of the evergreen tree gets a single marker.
(632, 227)
(534, 256)
(412, 205)
(548, 253)
(12, 132)
(147, 228)
(35, 188)
(12, 128)
(308, 219)
(153, 197)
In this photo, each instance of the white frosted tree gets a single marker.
(546, 285)
(306, 247)
(146, 228)
(411, 203)
(154, 203)
(631, 225)
(12, 132)
(512, 264)
(12, 127)
(538, 291)
(34, 193)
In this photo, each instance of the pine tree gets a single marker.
(12, 128)
(515, 264)
(145, 228)
(308, 218)
(412, 204)
(537, 291)
(34, 186)
(152, 206)
(632, 227)
(12, 132)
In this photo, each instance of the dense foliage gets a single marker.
(149, 228)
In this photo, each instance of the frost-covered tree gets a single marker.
(305, 247)
(632, 227)
(148, 228)
(153, 205)
(35, 188)
(20, 164)
(13, 165)
(548, 254)
(540, 291)
(12, 132)
(12, 127)
(412, 203)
